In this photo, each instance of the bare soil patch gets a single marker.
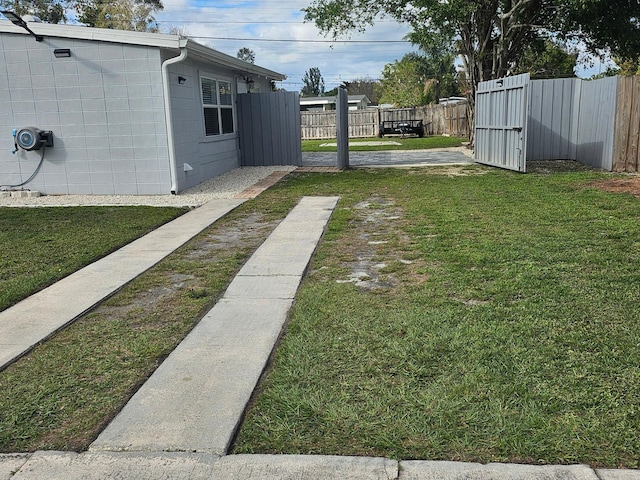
(377, 257)
(620, 185)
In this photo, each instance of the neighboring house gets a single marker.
(323, 104)
(131, 113)
(451, 100)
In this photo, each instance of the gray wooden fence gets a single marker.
(269, 129)
(438, 120)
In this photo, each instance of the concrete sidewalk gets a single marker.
(39, 316)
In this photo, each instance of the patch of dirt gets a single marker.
(620, 185)
(555, 166)
(376, 247)
(451, 170)
(239, 234)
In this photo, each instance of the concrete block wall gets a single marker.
(104, 105)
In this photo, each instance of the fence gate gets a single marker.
(501, 122)
(269, 129)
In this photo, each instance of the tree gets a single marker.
(602, 24)
(51, 11)
(544, 58)
(439, 56)
(403, 83)
(136, 15)
(491, 35)
(247, 55)
(364, 86)
(313, 83)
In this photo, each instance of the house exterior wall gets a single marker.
(104, 105)
(208, 156)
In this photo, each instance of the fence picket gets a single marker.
(438, 120)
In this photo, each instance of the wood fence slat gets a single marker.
(634, 128)
(626, 148)
(438, 120)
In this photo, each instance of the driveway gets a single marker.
(391, 158)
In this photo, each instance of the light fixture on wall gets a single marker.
(182, 80)
(500, 83)
(62, 52)
(19, 22)
(249, 81)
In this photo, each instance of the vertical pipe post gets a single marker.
(342, 127)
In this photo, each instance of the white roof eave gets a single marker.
(241, 66)
(171, 42)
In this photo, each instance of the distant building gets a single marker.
(324, 104)
(451, 100)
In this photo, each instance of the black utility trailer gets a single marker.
(401, 127)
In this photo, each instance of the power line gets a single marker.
(295, 40)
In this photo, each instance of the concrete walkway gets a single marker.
(389, 158)
(39, 316)
(195, 400)
(180, 424)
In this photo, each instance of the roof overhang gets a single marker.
(169, 42)
(196, 49)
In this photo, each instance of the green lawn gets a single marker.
(64, 392)
(409, 143)
(495, 318)
(458, 313)
(41, 245)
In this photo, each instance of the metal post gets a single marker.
(342, 124)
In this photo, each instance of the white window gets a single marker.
(217, 105)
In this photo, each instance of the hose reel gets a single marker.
(31, 138)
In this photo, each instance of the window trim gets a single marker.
(218, 106)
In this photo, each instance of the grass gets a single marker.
(409, 143)
(61, 395)
(472, 317)
(38, 246)
(450, 313)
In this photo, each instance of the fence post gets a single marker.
(342, 124)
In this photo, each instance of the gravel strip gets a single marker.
(225, 186)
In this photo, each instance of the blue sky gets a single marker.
(229, 25)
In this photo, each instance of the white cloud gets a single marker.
(340, 61)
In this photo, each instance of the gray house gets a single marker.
(128, 112)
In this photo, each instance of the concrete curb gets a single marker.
(194, 466)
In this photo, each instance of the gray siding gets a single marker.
(207, 156)
(104, 105)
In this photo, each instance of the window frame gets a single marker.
(218, 106)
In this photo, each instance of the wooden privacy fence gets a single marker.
(626, 147)
(438, 120)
